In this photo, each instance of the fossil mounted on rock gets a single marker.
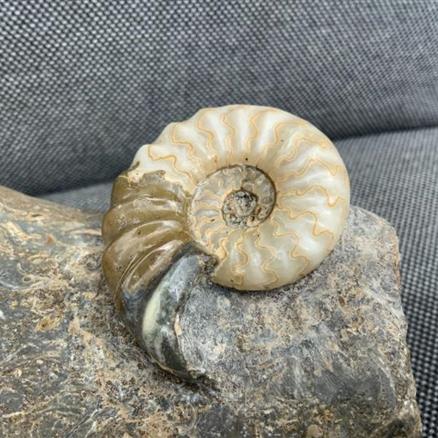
(257, 196)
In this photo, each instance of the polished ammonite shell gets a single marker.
(262, 193)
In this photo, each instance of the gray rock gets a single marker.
(326, 357)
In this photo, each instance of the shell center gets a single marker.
(241, 209)
(239, 196)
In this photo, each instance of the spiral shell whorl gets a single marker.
(260, 190)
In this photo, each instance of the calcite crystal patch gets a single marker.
(326, 356)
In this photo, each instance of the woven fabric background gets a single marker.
(84, 84)
(396, 176)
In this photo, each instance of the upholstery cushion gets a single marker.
(84, 84)
(396, 176)
(93, 198)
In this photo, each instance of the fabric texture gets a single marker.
(394, 175)
(93, 198)
(84, 84)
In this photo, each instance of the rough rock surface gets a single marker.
(326, 357)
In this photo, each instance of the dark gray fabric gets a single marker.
(396, 176)
(84, 84)
(92, 198)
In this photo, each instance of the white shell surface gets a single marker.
(310, 181)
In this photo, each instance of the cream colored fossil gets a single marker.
(261, 191)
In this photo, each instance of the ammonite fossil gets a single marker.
(257, 196)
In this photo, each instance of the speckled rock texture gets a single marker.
(326, 357)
